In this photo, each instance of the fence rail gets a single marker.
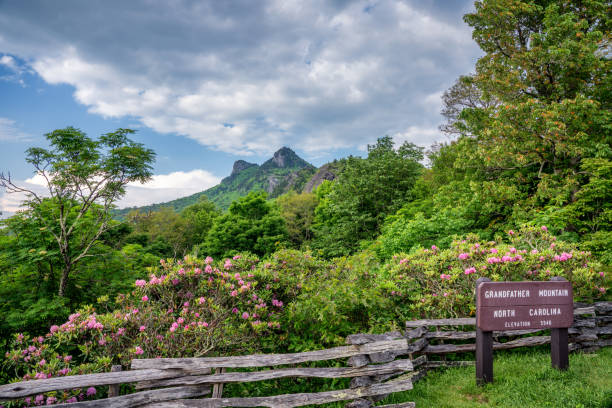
(184, 378)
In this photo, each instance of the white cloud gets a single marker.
(314, 75)
(10, 132)
(161, 188)
(167, 187)
(420, 136)
(9, 62)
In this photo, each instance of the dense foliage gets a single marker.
(291, 301)
(354, 208)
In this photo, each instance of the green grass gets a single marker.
(522, 380)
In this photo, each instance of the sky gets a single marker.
(205, 83)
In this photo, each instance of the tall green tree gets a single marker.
(84, 177)
(547, 63)
(353, 207)
(298, 211)
(199, 219)
(252, 224)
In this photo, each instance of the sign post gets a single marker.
(522, 306)
(484, 348)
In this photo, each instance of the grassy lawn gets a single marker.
(522, 380)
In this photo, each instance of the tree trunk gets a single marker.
(64, 280)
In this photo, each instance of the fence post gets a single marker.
(218, 388)
(113, 389)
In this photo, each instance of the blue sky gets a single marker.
(206, 83)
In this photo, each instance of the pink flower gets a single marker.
(204, 324)
(175, 281)
(201, 300)
(493, 260)
(234, 293)
(228, 264)
(235, 310)
(602, 290)
(434, 248)
(602, 274)
(145, 298)
(464, 256)
(67, 358)
(180, 320)
(470, 270)
(140, 283)
(42, 362)
(197, 271)
(208, 260)
(544, 228)
(245, 315)
(510, 232)
(54, 328)
(513, 250)
(493, 250)
(51, 400)
(236, 257)
(137, 351)
(92, 391)
(102, 342)
(143, 328)
(445, 294)
(445, 276)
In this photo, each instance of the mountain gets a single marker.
(283, 172)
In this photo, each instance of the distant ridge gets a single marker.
(283, 172)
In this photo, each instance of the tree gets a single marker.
(298, 212)
(357, 202)
(83, 177)
(199, 219)
(544, 62)
(464, 95)
(252, 224)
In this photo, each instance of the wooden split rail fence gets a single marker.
(373, 367)
(172, 382)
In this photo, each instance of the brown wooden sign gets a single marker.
(524, 305)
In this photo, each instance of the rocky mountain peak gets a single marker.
(240, 165)
(285, 158)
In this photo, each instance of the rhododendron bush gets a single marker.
(433, 283)
(188, 309)
(291, 301)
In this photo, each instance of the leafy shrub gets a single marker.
(191, 308)
(434, 283)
